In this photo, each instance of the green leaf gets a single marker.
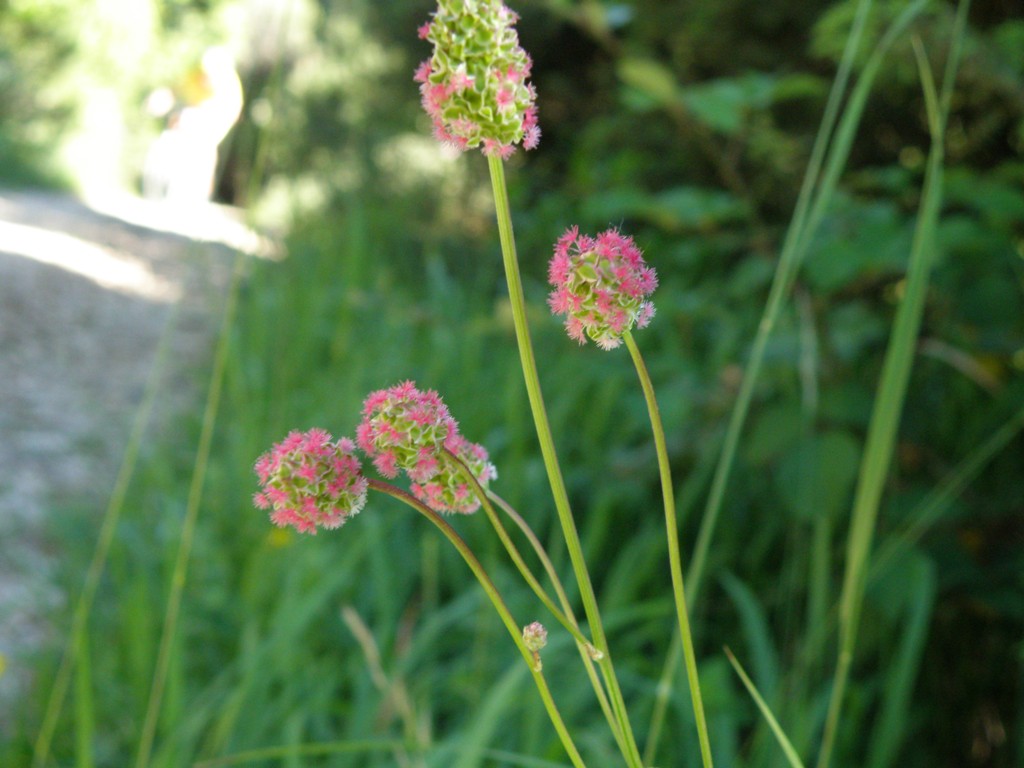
(755, 631)
(697, 207)
(999, 202)
(859, 239)
(853, 329)
(652, 79)
(672, 209)
(724, 104)
(776, 430)
(815, 478)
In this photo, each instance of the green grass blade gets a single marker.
(789, 263)
(521, 761)
(188, 527)
(848, 126)
(501, 701)
(756, 631)
(889, 402)
(924, 515)
(816, 192)
(111, 517)
(780, 735)
(890, 732)
(85, 717)
(366, 747)
(793, 253)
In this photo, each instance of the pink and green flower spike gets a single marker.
(309, 481)
(475, 86)
(406, 429)
(601, 284)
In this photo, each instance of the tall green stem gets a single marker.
(674, 559)
(892, 387)
(499, 604)
(547, 447)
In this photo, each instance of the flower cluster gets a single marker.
(475, 87)
(601, 284)
(406, 429)
(309, 481)
(447, 490)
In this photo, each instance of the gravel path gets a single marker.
(86, 292)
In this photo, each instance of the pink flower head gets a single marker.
(406, 429)
(475, 87)
(447, 489)
(309, 481)
(601, 285)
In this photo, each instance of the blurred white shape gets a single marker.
(181, 163)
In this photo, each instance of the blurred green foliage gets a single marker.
(689, 126)
(74, 78)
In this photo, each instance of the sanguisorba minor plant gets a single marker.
(476, 89)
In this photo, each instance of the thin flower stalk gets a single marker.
(513, 552)
(475, 89)
(499, 605)
(602, 285)
(672, 534)
(587, 653)
(547, 445)
(566, 616)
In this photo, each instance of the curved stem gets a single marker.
(672, 534)
(499, 604)
(547, 447)
(588, 653)
(513, 552)
(542, 555)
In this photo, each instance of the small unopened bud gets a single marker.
(535, 636)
